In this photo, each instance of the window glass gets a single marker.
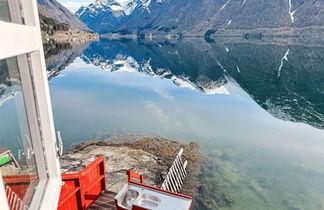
(17, 162)
(10, 11)
(4, 11)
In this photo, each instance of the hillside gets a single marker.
(55, 10)
(197, 17)
(50, 26)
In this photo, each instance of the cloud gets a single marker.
(74, 5)
(156, 111)
(163, 93)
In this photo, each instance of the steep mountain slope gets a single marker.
(50, 26)
(53, 9)
(107, 15)
(198, 16)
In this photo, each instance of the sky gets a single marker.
(74, 5)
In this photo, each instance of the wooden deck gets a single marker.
(105, 201)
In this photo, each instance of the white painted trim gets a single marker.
(30, 12)
(53, 188)
(45, 113)
(15, 14)
(3, 197)
(34, 130)
(17, 39)
(21, 39)
(32, 115)
(39, 194)
(43, 95)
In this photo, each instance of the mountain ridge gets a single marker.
(106, 15)
(197, 17)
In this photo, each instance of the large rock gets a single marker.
(148, 156)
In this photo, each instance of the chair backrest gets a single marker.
(81, 189)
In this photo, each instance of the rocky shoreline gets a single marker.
(149, 156)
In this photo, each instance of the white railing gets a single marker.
(176, 175)
(15, 203)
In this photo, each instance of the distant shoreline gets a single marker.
(313, 35)
(265, 39)
(70, 36)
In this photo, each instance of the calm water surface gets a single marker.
(257, 109)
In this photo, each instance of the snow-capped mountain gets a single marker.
(224, 86)
(197, 17)
(117, 7)
(107, 15)
(110, 56)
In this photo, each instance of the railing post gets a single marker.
(103, 172)
(176, 175)
(132, 175)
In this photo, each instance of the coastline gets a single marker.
(149, 156)
(308, 36)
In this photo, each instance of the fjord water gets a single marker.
(256, 108)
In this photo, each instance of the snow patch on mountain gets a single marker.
(224, 5)
(223, 86)
(126, 7)
(285, 58)
(220, 65)
(291, 13)
(238, 69)
(229, 22)
(183, 82)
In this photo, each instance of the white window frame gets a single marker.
(19, 40)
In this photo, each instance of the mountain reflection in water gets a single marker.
(287, 81)
(256, 108)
